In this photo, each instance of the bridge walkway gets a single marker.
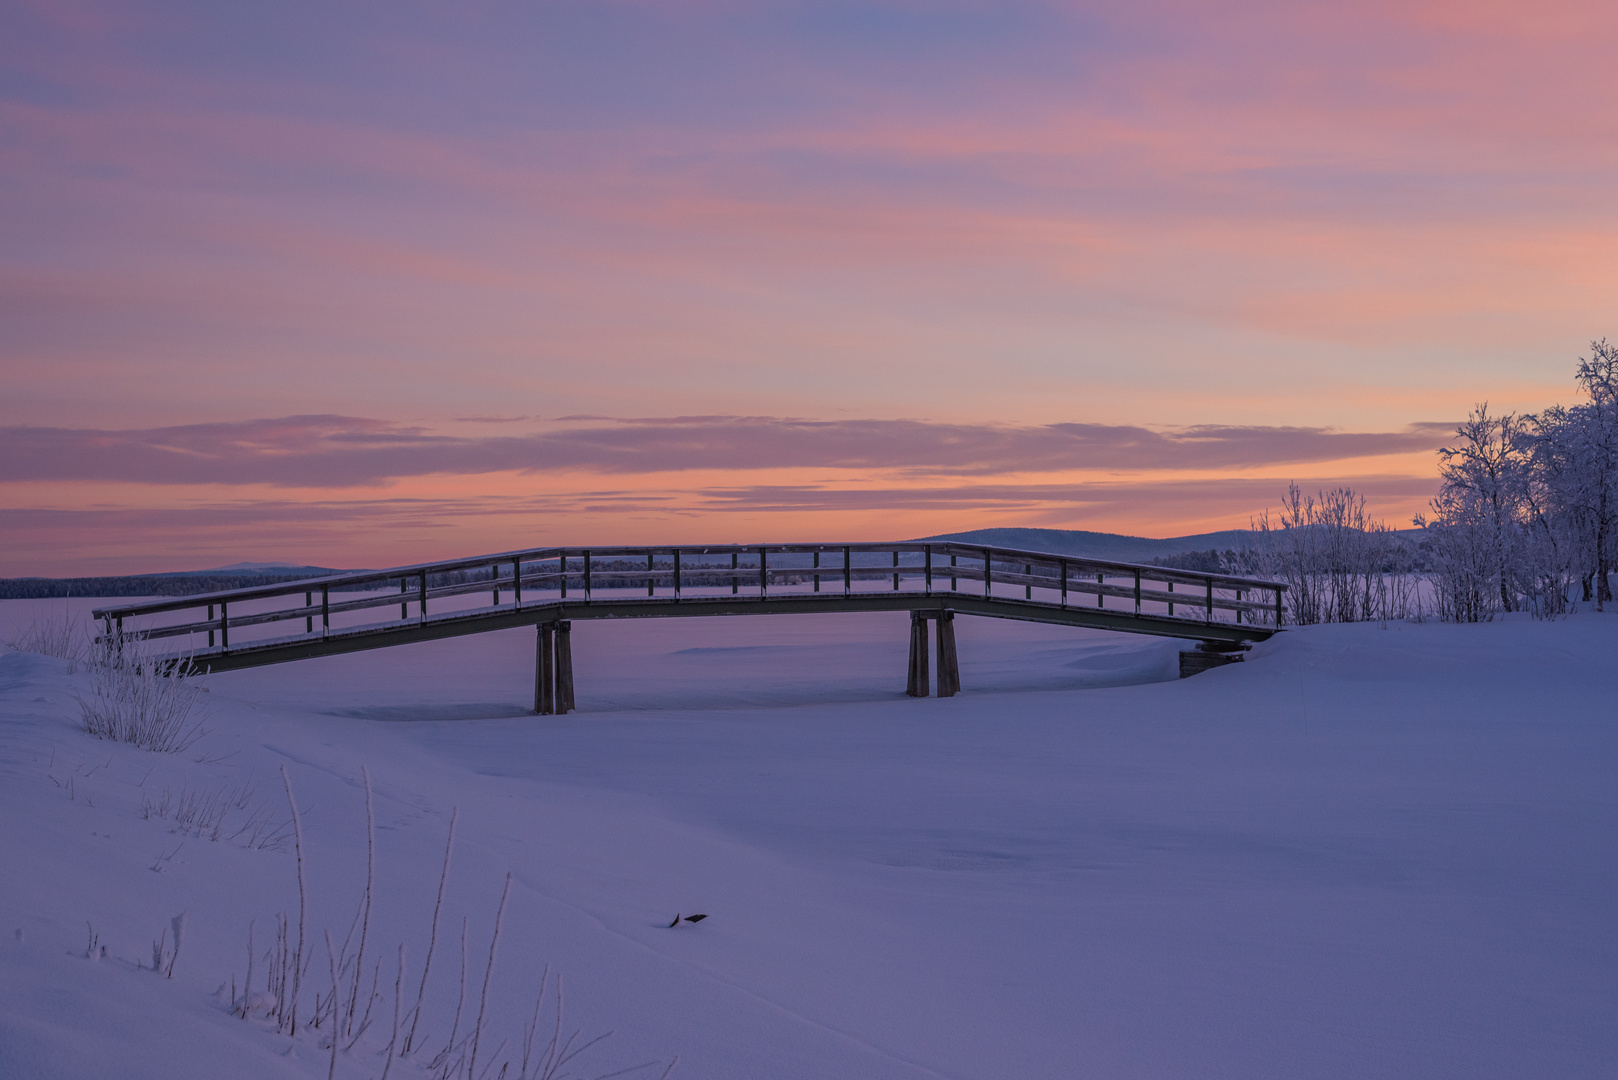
(550, 587)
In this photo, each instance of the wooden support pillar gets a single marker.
(917, 684)
(564, 667)
(553, 668)
(544, 675)
(949, 670)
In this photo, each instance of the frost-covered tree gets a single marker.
(1597, 453)
(1529, 504)
(1561, 533)
(1476, 530)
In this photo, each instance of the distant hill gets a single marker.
(277, 568)
(1097, 545)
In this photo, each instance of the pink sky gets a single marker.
(360, 285)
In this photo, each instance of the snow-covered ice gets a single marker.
(1366, 852)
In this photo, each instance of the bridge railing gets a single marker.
(372, 600)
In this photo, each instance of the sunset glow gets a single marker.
(361, 286)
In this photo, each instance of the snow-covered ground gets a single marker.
(1366, 852)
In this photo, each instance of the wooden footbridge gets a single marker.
(550, 587)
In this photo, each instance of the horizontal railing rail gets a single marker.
(615, 576)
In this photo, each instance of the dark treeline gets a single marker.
(1211, 561)
(138, 585)
(693, 575)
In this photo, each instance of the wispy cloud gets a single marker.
(340, 451)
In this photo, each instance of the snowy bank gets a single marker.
(1364, 852)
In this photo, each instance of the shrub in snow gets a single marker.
(342, 1014)
(1338, 564)
(137, 699)
(53, 634)
(218, 815)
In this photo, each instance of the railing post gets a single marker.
(816, 567)
(1101, 597)
(224, 628)
(1137, 592)
(988, 574)
(735, 577)
(1238, 610)
(1210, 599)
(325, 610)
(494, 576)
(589, 590)
(561, 566)
(848, 572)
(421, 596)
(308, 620)
(404, 591)
(516, 582)
(763, 574)
(676, 575)
(1061, 568)
(954, 584)
(210, 632)
(895, 571)
(1028, 586)
(1278, 608)
(928, 559)
(1171, 602)
(651, 568)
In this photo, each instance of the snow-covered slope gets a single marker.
(1104, 546)
(1365, 852)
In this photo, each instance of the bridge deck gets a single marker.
(338, 614)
